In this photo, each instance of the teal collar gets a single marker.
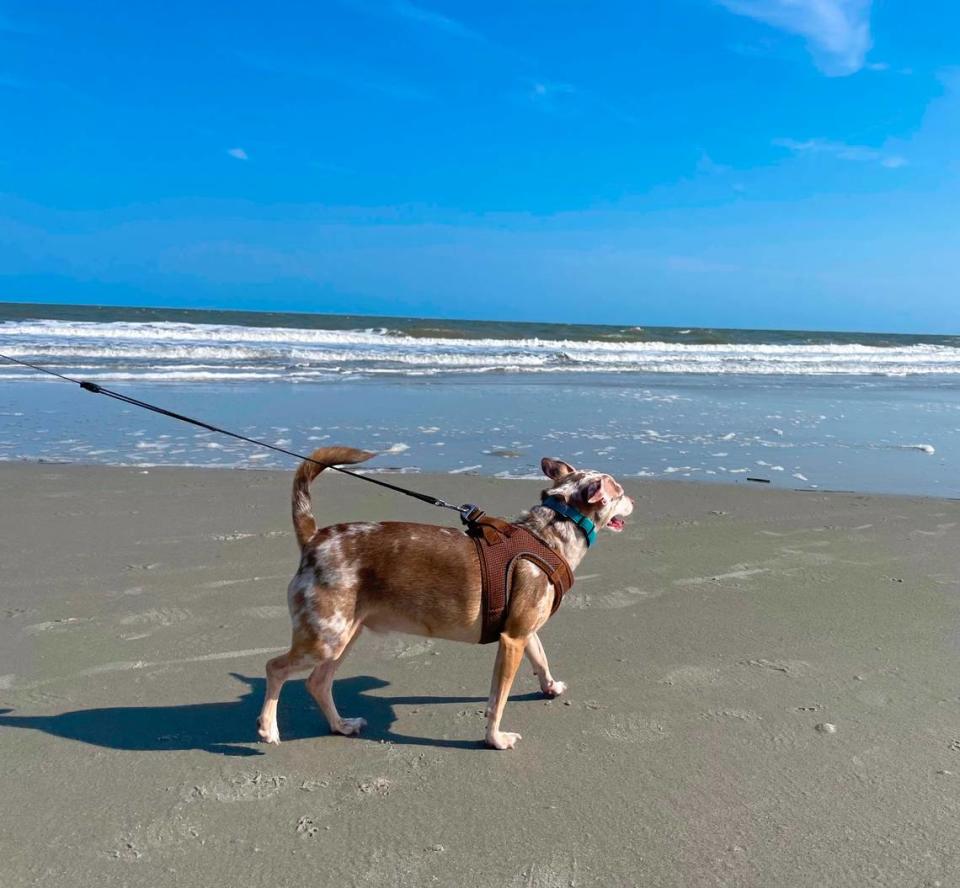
(582, 521)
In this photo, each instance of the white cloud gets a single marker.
(837, 31)
(843, 151)
(238, 153)
(543, 90)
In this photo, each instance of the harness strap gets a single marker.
(500, 545)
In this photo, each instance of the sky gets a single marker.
(731, 163)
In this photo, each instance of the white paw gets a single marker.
(350, 726)
(553, 688)
(503, 740)
(269, 733)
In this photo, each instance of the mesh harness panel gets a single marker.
(499, 546)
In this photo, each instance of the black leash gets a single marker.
(96, 389)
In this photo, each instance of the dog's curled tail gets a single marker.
(304, 524)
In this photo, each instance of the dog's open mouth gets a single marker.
(616, 524)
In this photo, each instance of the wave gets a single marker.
(193, 352)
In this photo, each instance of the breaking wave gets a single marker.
(195, 352)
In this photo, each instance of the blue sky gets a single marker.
(751, 163)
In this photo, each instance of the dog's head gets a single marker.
(594, 494)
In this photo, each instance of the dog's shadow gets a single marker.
(227, 728)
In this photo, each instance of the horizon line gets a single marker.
(361, 314)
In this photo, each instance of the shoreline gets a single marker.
(811, 435)
(415, 472)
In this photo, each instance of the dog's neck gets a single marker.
(557, 532)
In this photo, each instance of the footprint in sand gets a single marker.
(738, 714)
(634, 729)
(559, 871)
(614, 599)
(245, 787)
(307, 827)
(160, 833)
(692, 676)
(375, 786)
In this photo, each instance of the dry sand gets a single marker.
(703, 647)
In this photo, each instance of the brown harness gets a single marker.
(500, 545)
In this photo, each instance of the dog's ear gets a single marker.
(555, 469)
(602, 490)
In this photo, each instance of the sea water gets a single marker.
(864, 412)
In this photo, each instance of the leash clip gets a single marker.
(469, 513)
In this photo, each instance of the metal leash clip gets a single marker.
(470, 513)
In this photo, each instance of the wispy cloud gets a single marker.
(837, 31)
(843, 151)
(238, 153)
(412, 12)
(432, 19)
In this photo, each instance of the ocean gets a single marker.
(812, 410)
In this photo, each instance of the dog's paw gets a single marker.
(503, 740)
(553, 688)
(268, 733)
(349, 726)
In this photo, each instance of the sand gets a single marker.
(709, 649)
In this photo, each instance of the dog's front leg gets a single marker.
(541, 668)
(509, 655)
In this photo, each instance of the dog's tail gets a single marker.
(304, 523)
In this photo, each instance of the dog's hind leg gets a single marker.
(279, 670)
(541, 668)
(509, 655)
(320, 686)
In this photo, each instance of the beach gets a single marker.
(762, 691)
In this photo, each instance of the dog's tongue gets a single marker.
(616, 524)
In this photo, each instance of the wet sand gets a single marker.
(703, 647)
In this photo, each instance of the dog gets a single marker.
(423, 580)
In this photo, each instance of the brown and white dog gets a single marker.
(424, 580)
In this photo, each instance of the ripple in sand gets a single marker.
(167, 616)
(790, 668)
(739, 572)
(61, 625)
(401, 648)
(266, 612)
